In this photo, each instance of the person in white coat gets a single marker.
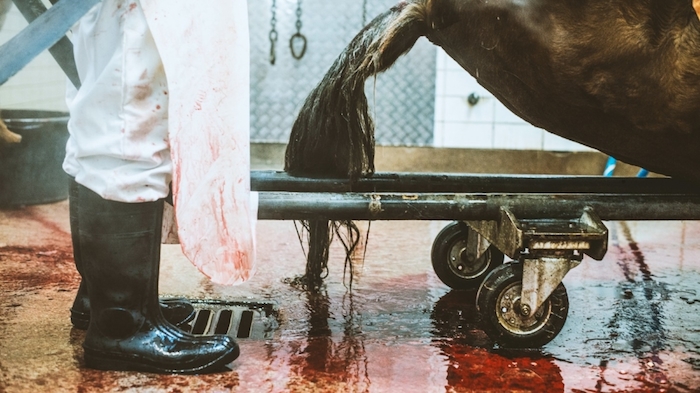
(121, 165)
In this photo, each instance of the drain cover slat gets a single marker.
(201, 322)
(237, 319)
(246, 324)
(224, 322)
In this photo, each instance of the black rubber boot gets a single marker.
(179, 312)
(120, 252)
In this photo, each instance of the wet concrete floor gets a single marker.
(633, 325)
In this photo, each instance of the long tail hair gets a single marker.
(333, 135)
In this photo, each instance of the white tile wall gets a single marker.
(41, 85)
(476, 135)
(486, 125)
(517, 136)
(556, 143)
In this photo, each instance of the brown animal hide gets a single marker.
(621, 76)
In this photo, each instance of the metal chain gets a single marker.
(298, 36)
(273, 32)
(298, 24)
(364, 13)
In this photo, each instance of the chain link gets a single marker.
(298, 24)
(364, 13)
(273, 32)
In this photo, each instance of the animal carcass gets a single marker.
(621, 76)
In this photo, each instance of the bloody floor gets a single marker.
(633, 324)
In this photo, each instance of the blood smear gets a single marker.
(206, 61)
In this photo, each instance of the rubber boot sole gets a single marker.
(114, 362)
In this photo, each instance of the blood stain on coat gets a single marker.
(143, 91)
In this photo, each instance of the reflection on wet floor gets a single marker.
(633, 323)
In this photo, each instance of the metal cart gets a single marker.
(545, 224)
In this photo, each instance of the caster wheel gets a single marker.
(451, 263)
(498, 302)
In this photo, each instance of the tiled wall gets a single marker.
(486, 124)
(41, 85)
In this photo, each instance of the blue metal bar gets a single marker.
(62, 50)
(40, 35)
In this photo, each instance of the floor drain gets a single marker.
(237, 319)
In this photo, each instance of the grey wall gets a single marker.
(403, 99)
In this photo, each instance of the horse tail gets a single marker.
(333, 135)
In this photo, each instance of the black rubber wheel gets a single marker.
(450, 262)
(498, 302)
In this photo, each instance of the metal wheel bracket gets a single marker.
(547, 247)
(476, 245)
(541, 276)
(504, 233)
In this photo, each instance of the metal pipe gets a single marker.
(477, 206)
(474, 183)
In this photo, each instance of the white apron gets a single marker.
(165, 95)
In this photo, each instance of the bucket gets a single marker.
(31, 171)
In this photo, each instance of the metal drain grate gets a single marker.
(237, 319)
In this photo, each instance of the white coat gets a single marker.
(165, 97)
